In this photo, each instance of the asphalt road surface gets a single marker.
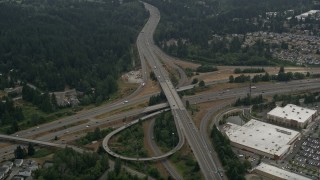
(183, 121)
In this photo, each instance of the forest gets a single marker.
(187, 29)
(56, 44)
(10, 114)
(69, 164)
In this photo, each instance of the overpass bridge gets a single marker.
(43, 143)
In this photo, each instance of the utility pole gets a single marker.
(172, 140)
(250, 88)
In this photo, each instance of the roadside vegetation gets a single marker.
(21, 153)
(235, 169)
(30, 151)
(186, 164)
(93, 136)
(10, 115)
(45, 102)
(43, 152)
(281, 76)
(29, 116)
(206, 68)
(120, 173)
(129, 142)
(248, 70)
(165, 132)
(201, 69)
(148, 168)
(156, 99)
(69, 164)
(248, 100)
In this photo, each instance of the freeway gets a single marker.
(273, 88)
(50, 135)
(183, 121)
(169, 61)
(264, 89)
(283, 87)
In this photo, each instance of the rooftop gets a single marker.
(283, 174)
(262, 136)
(293, 112)
(306, 14)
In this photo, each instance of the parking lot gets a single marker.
(309, 153)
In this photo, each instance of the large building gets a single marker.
(272, 172)
(292, 116)
(262, 138)
(311, 13)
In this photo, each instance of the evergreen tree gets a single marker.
(14, 126)
(97, 133)
(46, 105)
(281, 70)
(308, 74)
(187, 104)
(195, 81)
(31, 149)
(19, 153)
(54, 102)
(202, 83)
(117, 166)
(231, 79)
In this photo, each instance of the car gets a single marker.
(87, 126)
(126, 101)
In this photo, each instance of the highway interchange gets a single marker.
(183, 121)
(198, 140)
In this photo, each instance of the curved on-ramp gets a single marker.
(155, 158)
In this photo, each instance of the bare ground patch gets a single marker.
(203, 109)
(225, 71)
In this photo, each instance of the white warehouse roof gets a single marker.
(282, 174)
(306, 14)
(268, 138)
(293, 112)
